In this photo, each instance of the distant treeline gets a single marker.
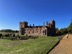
(9, 30)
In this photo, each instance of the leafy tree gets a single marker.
(70, 28)
(63, 31)
(58, 32)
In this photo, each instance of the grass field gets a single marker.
(41, 45)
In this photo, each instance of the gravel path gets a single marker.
(64, 47)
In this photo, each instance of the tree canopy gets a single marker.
(70, 28)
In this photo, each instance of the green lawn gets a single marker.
(41, 45)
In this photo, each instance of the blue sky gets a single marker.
(35, 12)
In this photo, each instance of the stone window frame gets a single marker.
(44, 32)
(36, 30)
(32, 30)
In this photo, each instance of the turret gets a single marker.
(46, 23)
(53, 28)
(53, 23)
(23, 24)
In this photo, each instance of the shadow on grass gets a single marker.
(59, 37)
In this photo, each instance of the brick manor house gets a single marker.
(45, 30)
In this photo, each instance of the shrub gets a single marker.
(7, 35)
(23, 37)
(13, 35)
(13, 38)
(33, 37)
(0, 35)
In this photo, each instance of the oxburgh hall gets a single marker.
(45, 30)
